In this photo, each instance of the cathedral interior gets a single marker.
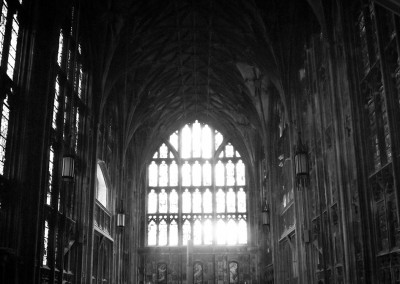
(199, 141)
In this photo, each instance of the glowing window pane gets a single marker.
(237, 154)
(186, 142)
(173, 233)
(173, 139)
(241, 196)
(196, 140)
(162, 233)
(163, 174)
(197, 201)
(163, 151)
(186, 232)
(152, 234)
(219, 174)
(153, 169)
(76, 136)
(102, 190)
(203, 214)
(173, 201)
(242, 232)
(3, 22)
(56, 103)
(207, 201)
(60, 48)
(186, 202)
(197, 231)
(220, 201)
(230, 173)
(240, 173)
(5, 114)
(208, 232)
(186, 176)
(207, 174)
(45, 242)
(152, 202)
(162, 202)
(206, 142)
(173, 174)
(231, 201)
(50, 181)
(221, 232)
(229, 150)
(232, 232)
(196, 174)
(218, 139)
(13, 47)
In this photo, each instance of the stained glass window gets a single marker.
(173, 202)
(221, 232)
(152, 233)
(186, 202)
(173, 139)
(163, 174)
(231, 201)
(208, 232)
(9, 30)
(45, 242)
(162, 202)
(197, 232)
(197, 201)
(173, 233)
(241, 200)
(207, 201)
(173, 174)
(196, 174)
(152, 202)
(162, 233)
(196, 190)
(187, 232)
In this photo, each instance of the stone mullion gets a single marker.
(213, 187)
(179, 190)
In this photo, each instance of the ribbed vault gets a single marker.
(168, 62)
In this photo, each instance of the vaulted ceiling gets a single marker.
(161, 63)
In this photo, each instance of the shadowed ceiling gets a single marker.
(163, 63)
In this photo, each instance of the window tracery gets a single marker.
(209, 195)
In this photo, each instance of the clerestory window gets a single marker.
(196, 190)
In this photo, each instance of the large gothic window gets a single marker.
(196, 190)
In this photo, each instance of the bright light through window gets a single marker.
(207, 203)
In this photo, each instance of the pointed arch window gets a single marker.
(196, 190)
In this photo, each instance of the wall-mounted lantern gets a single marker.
(121, 220)
(301, 162)
(68, 167)
(265, 214)
(121, 217)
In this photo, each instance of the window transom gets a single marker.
(196, 190)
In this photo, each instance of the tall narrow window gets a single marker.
(9, 30)
(207, 203)
(65, 123)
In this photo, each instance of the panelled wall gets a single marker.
(346, 110)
